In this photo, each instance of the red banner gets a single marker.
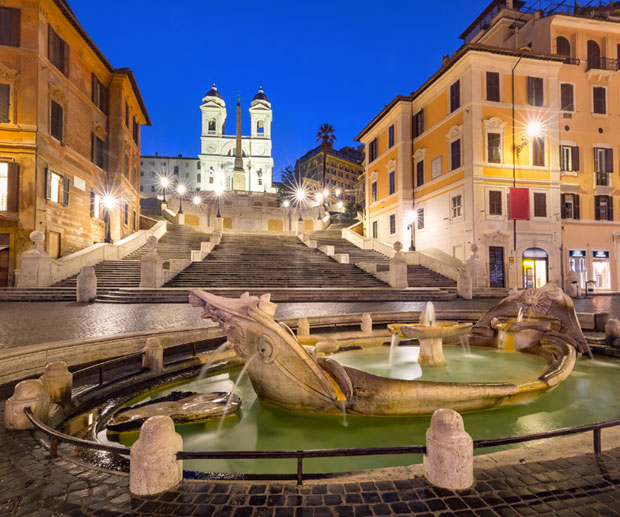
(520, 203)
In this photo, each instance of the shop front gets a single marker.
(578, 262)
(535, 264)
(601, 269)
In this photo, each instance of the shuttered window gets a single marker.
(419, 170)
(10, 26)
(392, 182)
(420, 218)
(538, 151)
(58, 51)
(603, 160)
(99, 94)
(603, 208)
(455, 154)
(66, 190)
(372, 151)
(599, 101)
(9, 187)
(540, 204)
(455, 96)
(569, 158)
(5, 102)
(97, 151)
(570, 206)
(567, 97)
(56, 121)
(418, 123)
(136, 130)
(535, 92)
(493, 86)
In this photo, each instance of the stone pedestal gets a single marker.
(153, 465)
(153, 355)
(464, 285)
(449, 458)
(219, 224)
(299, 227)
(612, 333)
(366, 324)
(476, 268)
(151, 266)
(29, 393)
(58, 382)
(36, 264)
(398, 269)
(431, 351)
(86, 285)
(180, 218)
(303, 327)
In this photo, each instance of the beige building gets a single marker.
(69, 135)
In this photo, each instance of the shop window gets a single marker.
(601, 269)
(577, 262)
(535, 266)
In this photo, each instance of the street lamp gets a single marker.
(218, 192)
(181, 191)
(197, 200)
(109, 202)
(319, 200)
(164, 184)
(338, 192)
(411, 217)
(300, 195)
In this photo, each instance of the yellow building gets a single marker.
(462, 165)
(69, 134)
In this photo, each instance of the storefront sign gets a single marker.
(577, 253)
(600, 254)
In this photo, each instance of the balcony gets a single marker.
(601, 68)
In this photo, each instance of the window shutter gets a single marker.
(48, 184)
(14, 27)
(92, 147)
(66, 190)
(563, 206)
(609, 160)
(562, 164)
(50, 43)
(610, 208)
(597, 208)
(92, 203)
(93, 88)
(65, 58)
(530, 91)
(575, 158)
(576, 206)
(13, 188)
(5, 93)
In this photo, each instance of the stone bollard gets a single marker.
(32, 394)
(612, 333)
(58, 382)
(464, 285)
(449, 458)
(151, 266)
(398, 269)
(600, 321)
(303, 327)
(153, 464)
(366, 323)
(86, 285)
(153, 355)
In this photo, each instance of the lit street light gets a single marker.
(164, 184)
(411, 218)
(218, 192)
(300, 195)
(109, 202)
(181, 191)
(197, 200)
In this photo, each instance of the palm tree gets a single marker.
(288, 177)
(326, 135)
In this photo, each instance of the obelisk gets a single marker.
(238, 172)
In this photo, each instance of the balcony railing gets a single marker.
(603, 63)
(571, 60)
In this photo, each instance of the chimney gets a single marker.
(509, 4)
(180, 156)
(445, 59)
(156, 153)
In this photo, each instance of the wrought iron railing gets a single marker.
(603, 63)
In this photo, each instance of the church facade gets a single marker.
(219, 150)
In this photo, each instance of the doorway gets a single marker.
(53, 244)
(496, 266)
(535, 267)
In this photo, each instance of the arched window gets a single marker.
(212, 125)
(260, 127)
(563, 46)
(594, 55)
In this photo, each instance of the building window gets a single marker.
(418, 123)
(10, 24)
(420, 218)
(135, 221)
(392, 224)
(136, 131)
(9, 187)
(494, 147)
(97, 151)
(436, 167)
(56, 121)
(455, 96)
(198, 165)
(127, 114)
(455, 154)
(535, 93)
(540, 204)
(372, 151)
(176, 170)
(419, 170)
(392, 182)
(570, 206)
(99, 94)
(603, 165)
(391, 134)
(54, 187)
(562, 46)
(126, 213)
(126, 168)
(603, 208)
(375, 230)
(260, 127)
(493, 86)
(211, 180)
(538, 151)
(599, 100)
(152, 188)
(58, 51)
(495, 202)
(569, 158)
(5, 103)
(567, 97)
(457, 206)
(373, 192)
(95, 201)
(198, 178)
(211, 129)
(594, 54)
(141, 188)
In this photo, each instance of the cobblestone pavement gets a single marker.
(25, 323)
(33, 484)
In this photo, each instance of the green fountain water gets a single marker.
(588, 395)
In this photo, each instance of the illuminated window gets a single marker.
(4, 186)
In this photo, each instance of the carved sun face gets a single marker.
(536, 300)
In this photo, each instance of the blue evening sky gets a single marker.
(338, 62)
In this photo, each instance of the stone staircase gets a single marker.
(254, 260)
(418, 276)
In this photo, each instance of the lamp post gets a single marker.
(300, 195)
(197, 200)
(109, 202)
(218, 192)
(181, 191)
(286, 204)
(319, 200)
(411, 217)
(164, 184)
